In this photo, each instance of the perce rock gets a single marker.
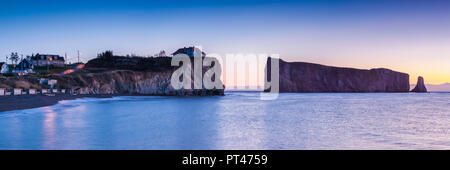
(309, 77)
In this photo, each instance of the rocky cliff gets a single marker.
(309, 77)
(23, 82)
(125, 75)
(420, 86)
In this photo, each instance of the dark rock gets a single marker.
(130, 63)
(420, 86)
(309, 77)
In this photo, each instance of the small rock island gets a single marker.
(420, 86)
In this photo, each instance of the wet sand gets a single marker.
(8, 103)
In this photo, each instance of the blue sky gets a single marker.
(409, 36)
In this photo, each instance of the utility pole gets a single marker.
(48, 63)
(78, 56)
(21, 58)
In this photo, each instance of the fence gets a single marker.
(18, 91)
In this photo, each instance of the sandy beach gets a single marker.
(8, 103)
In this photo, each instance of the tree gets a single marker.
(14, 57)
(161, 54)
(106, 54)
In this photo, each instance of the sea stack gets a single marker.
(420, 86)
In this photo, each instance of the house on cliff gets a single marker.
(40, 60)
(24, 67)
(190, 51)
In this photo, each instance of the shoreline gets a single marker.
(22, 102)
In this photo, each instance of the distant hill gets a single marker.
(436, 87)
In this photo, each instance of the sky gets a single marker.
(410, 36)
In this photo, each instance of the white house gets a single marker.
(17, 91)
(48, 82)
(31, 91)
(40, 60)
(4, 68)
(190, 52)
(44, 91)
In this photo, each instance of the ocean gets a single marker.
(238, 120)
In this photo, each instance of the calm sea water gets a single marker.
(238, 120)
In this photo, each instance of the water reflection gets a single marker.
(49, 129)
(15, 128)
(242, 125)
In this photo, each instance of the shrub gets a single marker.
(106, 54)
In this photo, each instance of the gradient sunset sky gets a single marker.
(410, 36)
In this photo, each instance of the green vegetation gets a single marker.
(106, 54)
(9, 74)
(14, 57)
(11, 67)
(44, 70)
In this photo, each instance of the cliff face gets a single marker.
(122, 75)
(25, 82)
(308, 77)
(420, 86)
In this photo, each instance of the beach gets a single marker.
(8, 103)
